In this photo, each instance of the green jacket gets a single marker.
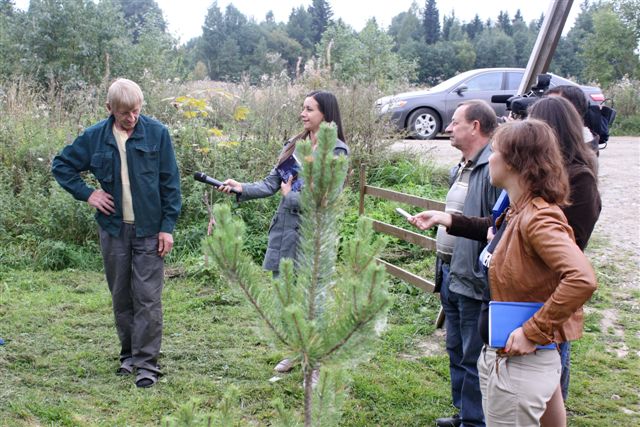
(153, 174)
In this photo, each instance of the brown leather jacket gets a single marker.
(537, 260)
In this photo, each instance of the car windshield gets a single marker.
(453, 81)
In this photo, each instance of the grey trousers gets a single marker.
(134, 273)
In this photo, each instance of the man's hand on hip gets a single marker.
(165, 243)
(102, 201)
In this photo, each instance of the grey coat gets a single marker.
(283, 231)
(467, 277)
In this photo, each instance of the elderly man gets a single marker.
(132, 158)
(463, 280)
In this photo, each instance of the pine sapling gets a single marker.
(320, 312)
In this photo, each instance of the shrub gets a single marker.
(225, 130)
(626, 100)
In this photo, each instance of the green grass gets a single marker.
(58, 363)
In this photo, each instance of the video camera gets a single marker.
(518, 104)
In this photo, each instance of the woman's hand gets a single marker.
(285, 186)
(518, 344)
(490, 234)
(230, 184)
(427, 219)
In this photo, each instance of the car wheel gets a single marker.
(424, 123)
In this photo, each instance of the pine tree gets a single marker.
(431, 22)
(518, 17)
(504, 23)
(321, 15)
(474, 28)
(321, 313)
(298, 27)
(447, 23)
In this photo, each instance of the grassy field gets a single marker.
(57, 365)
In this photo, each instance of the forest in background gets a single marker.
(76, 43)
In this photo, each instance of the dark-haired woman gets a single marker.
(318, 107)
(579, 100)
(536, 260)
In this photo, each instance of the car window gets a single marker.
(453, 81)
(513, 80)
(486, 81)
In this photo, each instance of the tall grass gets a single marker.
(226, 130)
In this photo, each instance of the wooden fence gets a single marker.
(400, 233)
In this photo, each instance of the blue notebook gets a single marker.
(501, 204)
(505, 317)
(291, 167)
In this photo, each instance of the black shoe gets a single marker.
(453, 421)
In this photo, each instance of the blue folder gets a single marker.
(505, 317)
(291, 167)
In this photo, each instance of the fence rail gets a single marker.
(400, 233)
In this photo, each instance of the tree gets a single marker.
(210, 42)
(142, 15)
(465, 55)
(74, 41)
(568, 59)
(280, 45)
(447, 23)
(381, 64)
(436, 63)
(517, 17)
(366, 57)
(299, 28)
(523, 40)
(431, 22)
(474, 28)
(538, 23)
(408, 34)
(321, 14)
(10, 24)
(228, 42)
(610, 51)
(494, 49)
(629, 13)
(322, 314)
(406, 28)
(504, 23)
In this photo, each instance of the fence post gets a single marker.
(363, 183)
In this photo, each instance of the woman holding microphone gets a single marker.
(318, 107)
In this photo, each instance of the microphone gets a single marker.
(202, 177)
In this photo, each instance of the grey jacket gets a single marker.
(283, 231)
(467, 277)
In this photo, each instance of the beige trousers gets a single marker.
(515, 390)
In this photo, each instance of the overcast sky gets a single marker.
(185, 17)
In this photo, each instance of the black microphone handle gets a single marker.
(204, 178)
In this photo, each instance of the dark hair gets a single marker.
(531, 148)
(563, 118)
(479, 110)
(574, 95)
(328, 105)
